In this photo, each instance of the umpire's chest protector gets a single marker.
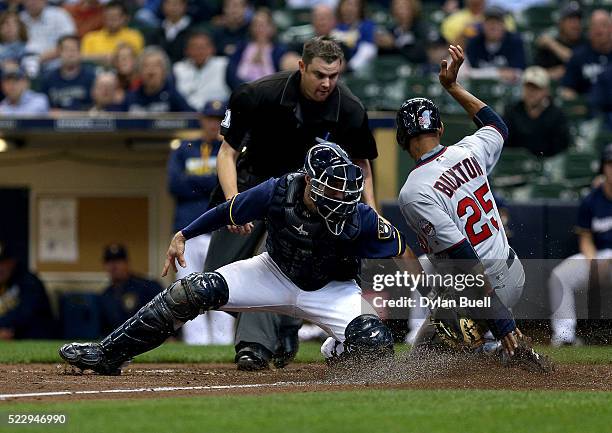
(300, 244)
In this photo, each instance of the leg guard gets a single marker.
(184, 300)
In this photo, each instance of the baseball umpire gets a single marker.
(317, 234)
(275, 120)
(448, 203)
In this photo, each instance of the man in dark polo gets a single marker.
(268, 127)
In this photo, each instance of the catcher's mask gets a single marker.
(335, 186)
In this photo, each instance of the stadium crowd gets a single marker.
(176, 55)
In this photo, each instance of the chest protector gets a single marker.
(300, 244)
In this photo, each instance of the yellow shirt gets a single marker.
(462, 24)
(101, 42)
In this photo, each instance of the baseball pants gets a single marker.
(257, 284)
(571, 276)
(508, 285)
(213, 328)
(263, 328)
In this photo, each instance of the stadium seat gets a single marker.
(580, 167)
(516, 167)
(540, 17)
(548, 190)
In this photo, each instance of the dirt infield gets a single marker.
(52, 382)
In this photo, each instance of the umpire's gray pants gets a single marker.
(262, 328)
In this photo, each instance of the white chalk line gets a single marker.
(158, 389)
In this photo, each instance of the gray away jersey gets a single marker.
(447, 199)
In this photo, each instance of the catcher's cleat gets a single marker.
(90, 356)
(527, 358)
(250, 362)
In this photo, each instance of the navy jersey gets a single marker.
(510, 53)
(584, 67)
(168, 99)
(69, 94)
(25, 308)
(119, 303)
(376, 238)
(192, 175)
(595, 215)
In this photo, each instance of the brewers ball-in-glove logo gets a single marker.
(425, 119)
(427, 228)
(385, 229)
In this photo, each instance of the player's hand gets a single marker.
(509, 342)
(176, 251)
(448, 73)
(241, 230)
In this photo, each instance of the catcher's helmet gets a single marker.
(416, 116)
(336, 184)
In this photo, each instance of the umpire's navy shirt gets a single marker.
(278, 125)
(595, 216)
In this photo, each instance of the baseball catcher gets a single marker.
(317, 233)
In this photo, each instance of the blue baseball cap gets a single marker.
(214, 108)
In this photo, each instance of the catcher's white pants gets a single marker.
(257, 284)
(215, 327)
(569, 277)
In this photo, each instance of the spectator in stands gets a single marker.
(24, 306)
(156, 94)
(99, 45)
(18, 98)
(106, 94)
(322, 23)
(590, 59)
(323, 20)
(88, 15)
(554, 51)
(407, 33)
(259, 56)
(495, 52)
(11, 6)
(310, 4)
(13, 37)
(232, 27)
(126, 294)
(192, 175)
(45, 24)
(464, 24)
(125, 63)
(517, 6)
(594, 229)
(200, 77)
(600, 97)
(356, 32)
(534, 122)
(174, 30)
(68, 87)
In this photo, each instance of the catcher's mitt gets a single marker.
(527, 358)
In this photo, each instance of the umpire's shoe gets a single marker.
(253, 357)
(90, 356)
